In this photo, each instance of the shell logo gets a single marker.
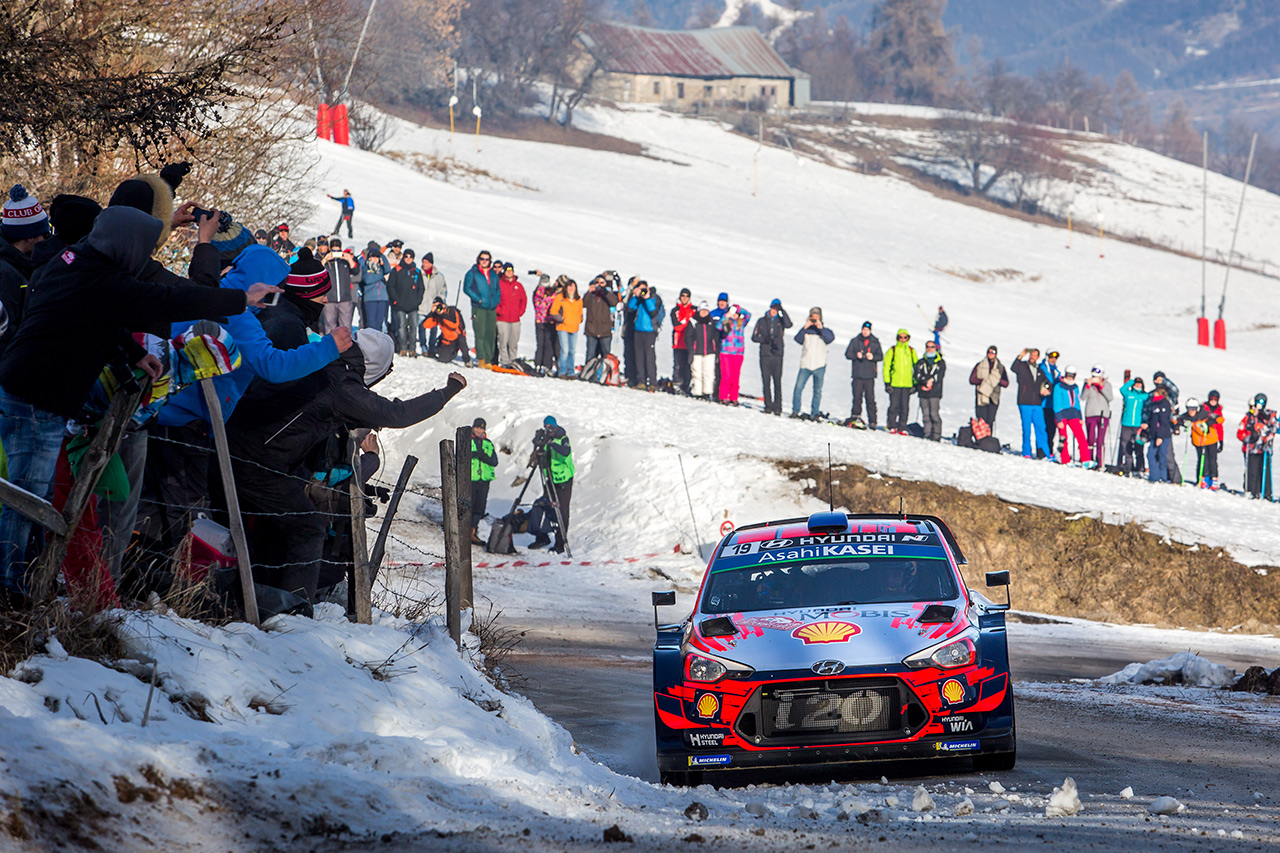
(708, 705)
(953, 691)
(826, 632)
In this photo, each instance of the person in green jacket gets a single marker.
(1135, 395)
(484, 464)
(552, 451)
(899, 381)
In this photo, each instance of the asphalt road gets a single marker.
(594, 679)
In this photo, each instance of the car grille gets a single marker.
(830, 711)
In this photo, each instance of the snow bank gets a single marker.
(1181, 668)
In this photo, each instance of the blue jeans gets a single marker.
(597, 347)
(375, 314)
(1033, 421)
(802, 379)
(568, 346)
(31, 438)
(1158, 461)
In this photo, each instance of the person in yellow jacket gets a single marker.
(484, 464)
(899, 381)
(566, 312)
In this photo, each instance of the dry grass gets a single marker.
(530, 129)
(497, 642)
(1073, 566)
(83, 634)
(452, 170)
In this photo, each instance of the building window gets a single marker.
(657, 87)
(773, 90)
(764, 90)
(680, 91)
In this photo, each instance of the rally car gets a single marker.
(830, 640)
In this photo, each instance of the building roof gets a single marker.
(717, 52)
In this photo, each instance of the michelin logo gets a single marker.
(709, 760)
(956, 746)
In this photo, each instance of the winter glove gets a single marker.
(888, 389)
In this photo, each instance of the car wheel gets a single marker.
(995, 762)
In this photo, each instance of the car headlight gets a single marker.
(949, 654)
(698, 668)
(706, 669)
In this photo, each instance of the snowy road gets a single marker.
(592, 676)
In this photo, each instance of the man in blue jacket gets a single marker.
(484, 290)
(175, 482)
(347, 214)
(1159, 435)
(646, 307)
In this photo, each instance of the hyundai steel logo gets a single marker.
(828, 667)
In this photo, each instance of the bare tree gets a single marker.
(913, 50)
(988, 151)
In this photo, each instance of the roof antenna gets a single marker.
(901, 507)
(831, 500)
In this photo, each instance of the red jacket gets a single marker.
(1216, 412)
(681, 316)
(513, 302)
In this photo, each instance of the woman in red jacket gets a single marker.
(511, 307)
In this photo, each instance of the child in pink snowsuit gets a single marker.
(732, 346)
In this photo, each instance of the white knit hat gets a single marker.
(23, 215)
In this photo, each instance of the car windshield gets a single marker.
(879, 580)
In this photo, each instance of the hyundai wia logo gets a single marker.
(828, 667)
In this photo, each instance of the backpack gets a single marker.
(1203, 434)
(602, 370)
(524, 367)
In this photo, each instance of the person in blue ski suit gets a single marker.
(1135, 396)
(347, 213)
(175, 481)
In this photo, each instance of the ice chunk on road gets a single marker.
(1183, 668)
(962, 808)
(921, 801)
(1064, 801)
(996, 788)
(1127, 793)
(1165, 805)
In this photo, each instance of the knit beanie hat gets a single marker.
(777, 303)
(479, 422)
(153, 194)
(23, 216)
(684, 291)
(230, 239)
(72, 217)
(723, 297)
(307, 277)
(377, 349)
(429, 257)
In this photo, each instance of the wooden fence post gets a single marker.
(463, 449)
(214, 405)
(101, 449)
(453, 543)
(363, 594)
(380, 543)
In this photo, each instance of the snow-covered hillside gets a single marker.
(862, 247)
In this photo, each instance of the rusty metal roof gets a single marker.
(718, 52)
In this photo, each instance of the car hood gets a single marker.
(863, 635)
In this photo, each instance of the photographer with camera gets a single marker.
(484, 463)
(598, 305)
(446, 326)
(770, 333)
(647, 306)
(554, 456)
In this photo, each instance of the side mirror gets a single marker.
(1000, 579)
(662, 599)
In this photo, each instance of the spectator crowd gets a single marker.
(266, 329)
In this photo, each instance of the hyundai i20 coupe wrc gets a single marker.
(831, 640)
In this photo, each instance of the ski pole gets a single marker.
(689, 498)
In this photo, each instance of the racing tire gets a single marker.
(995, 762)
(680, 779)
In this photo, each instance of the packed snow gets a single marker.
(1182, 668)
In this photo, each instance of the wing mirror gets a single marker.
(662, 599)
(1000, 579)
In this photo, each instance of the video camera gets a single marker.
(224, 218)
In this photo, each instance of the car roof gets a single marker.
(829, 523)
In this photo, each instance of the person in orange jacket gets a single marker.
(447, 320)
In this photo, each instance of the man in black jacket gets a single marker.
(273, 434)
(864, 351)
(770, 333)
(77, 318)
(404, 289)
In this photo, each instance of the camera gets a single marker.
(532, 272)
(540, 439)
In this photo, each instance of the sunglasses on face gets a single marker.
(484, 260)
(904, 337)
